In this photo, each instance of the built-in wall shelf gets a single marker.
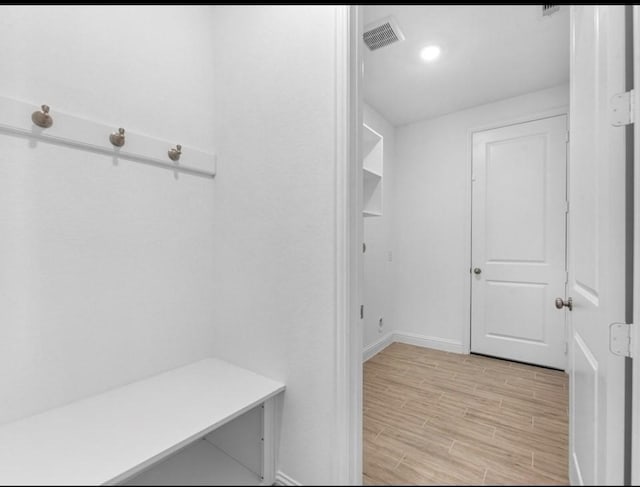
(368, 173)
(372, 168)
(207, 423)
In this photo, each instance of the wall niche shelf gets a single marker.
(372, 166)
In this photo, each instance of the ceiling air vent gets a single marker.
(550, 9)
(382, 33)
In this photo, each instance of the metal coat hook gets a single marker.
(117, 138)
(42, 118)
(174, 153)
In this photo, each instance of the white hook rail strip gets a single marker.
(15, 118)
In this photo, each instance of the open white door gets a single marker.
(596, 246)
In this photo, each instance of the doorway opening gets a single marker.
(437, 81)
(421, 245)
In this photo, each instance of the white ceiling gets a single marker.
(489, 52)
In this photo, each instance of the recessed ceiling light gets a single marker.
(430, 53)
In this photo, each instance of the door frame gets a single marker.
(635, 340)
(346, 460)
(554, 112)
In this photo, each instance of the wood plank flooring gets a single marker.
(433, 417)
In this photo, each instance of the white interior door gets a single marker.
(519, 241)
(596, 246)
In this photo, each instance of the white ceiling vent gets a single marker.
(550, 9)
(382, 33)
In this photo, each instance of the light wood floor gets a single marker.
(434, 417)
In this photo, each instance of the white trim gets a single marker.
(444, 344)
(575, 477)
(283, 479)
(635, 344)
(466, 298)
(552, 112)
(346, 460)
(377, 347)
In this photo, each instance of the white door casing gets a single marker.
(596, 246)
(519, 241)
(635, 421)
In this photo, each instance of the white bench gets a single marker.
(209, 422)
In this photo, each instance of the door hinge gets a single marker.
(566, 348)
(362, 311)
(621, 108)
(620, 339)
(566, 139)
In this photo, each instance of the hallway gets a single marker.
(433, 417)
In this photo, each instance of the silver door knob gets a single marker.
(477, 270)
(561, 303)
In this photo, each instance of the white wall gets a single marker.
(274, 204)
(378, 270)
(105, 270)
(431, 223)
(111, 273)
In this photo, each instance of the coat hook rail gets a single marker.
(73, 131)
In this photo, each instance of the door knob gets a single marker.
(477, 270)
(561, 303)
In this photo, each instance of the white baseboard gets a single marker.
(377, 347)
(444, 344)
(575, 477)
(284, 479)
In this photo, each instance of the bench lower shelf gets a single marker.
(198, 464)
